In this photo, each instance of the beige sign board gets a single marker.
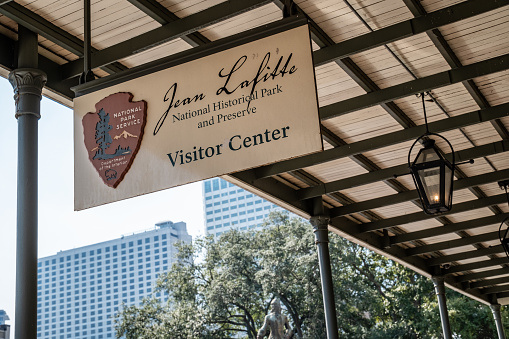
(240, 108)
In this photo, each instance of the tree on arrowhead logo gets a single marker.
(113, 135)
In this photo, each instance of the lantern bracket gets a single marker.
(428, 142)
(504, 239)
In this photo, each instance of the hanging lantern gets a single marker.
(433, 176)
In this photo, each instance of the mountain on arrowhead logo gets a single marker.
(113, 135)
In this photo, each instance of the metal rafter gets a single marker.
(476, 265)
(491, 282)
(445, 49)
(419, 216)
(453, 243)
(457, 75)
(163, 16)
(406, 29)
(393, 138)
(346, 64)
(43, 27)
(482, 275)
(55, 83)
(382, 97)
(465, 255)
(393, 199)
(362, 146)
(165, 33)
(456, 227)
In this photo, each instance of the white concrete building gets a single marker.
(227, 206)
(81, 290)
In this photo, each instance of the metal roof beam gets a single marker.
(375, 143)
(405, 29)
(491, 282)
(464, 255)
(412, 195)
(456, 227)
(470, 240)
(495, 289)
(43, 27)
(425, 84)
(387, 173)
(445, 49)
(346, 64)
(8, 56)
(476, 265)
(168, 32)
(482, 275)
(163, 16)
(419, 216)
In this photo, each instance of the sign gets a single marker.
(112, 155)
(240, 108)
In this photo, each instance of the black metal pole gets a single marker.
(320, 226)
(442, 305)
(87, 74)
(27, 82)
(495, 309)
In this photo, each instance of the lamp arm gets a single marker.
(401, 175)
(471, 161)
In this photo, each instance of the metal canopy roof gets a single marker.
(372, 58)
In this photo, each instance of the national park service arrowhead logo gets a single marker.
(113, 135)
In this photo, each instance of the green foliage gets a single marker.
(223, 288)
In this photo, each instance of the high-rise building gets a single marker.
(227, 206)
(4, 328)
(80, 290)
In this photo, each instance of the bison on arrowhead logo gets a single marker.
(113, 135)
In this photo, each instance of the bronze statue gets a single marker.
(277, 323)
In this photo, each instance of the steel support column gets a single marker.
(442, 306)
(27, 82)
(495, 308)
(320, 226)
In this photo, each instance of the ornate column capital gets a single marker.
(438, 282)
(320, 222)
(27, 84)
(495, 308)
(320, 226)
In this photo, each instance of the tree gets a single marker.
(102, 134)
(222, 288)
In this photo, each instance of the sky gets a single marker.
(60, 227)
